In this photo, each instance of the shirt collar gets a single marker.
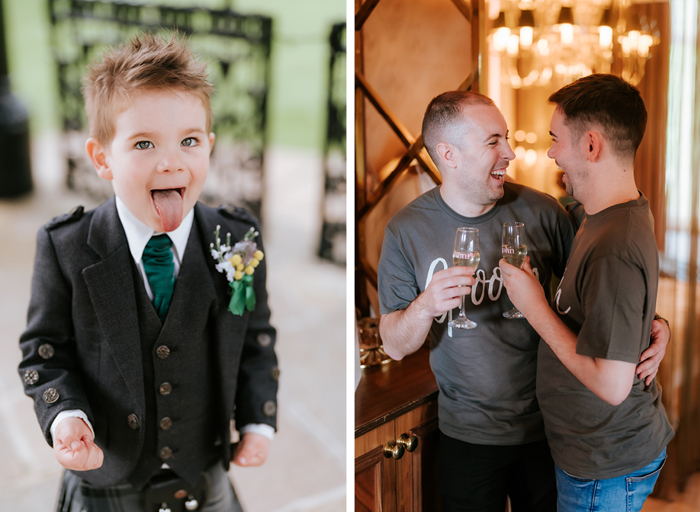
(138, 234)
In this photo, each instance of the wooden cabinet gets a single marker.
(396, 411)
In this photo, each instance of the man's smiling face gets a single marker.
(483, 154)
(159, 158)
(565, 151)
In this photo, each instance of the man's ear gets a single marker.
(594, 145)
(98, 156)
(446, 153)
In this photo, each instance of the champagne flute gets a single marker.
(466, 254)
(514, 252)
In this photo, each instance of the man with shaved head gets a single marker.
(492, 442)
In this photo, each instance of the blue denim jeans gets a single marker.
(623, 493)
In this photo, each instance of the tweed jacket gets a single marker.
(81, 349)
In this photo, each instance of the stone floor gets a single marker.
(305, 471)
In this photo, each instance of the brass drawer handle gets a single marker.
(392, 450)
(410, 443)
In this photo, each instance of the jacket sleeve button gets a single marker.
(51, 395)
(264, 339)
(46, 351)
(31, 377)
(269, 408)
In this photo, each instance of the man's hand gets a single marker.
(523, 288)
(445, 291)
(251, 450)
(404, 331)
(74, 448)
(651, 358)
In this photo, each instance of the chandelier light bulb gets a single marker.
(634, 39)
(566, 31)
(500, 39)
(513, 44)
(626, 45)
(645, 42)
(605, 35)
(526, 37)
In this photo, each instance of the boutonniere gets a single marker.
(238, 263)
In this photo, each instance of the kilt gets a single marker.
(78, 496)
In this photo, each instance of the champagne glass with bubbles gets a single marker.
(466, 254)
(514, 252)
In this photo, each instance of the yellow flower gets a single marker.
(249, 270)
(240, 266)
(235, 259)
(238, 275)
(258, 255)
(254, 263)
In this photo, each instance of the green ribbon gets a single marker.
(242, 295)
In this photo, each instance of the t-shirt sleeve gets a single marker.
(396, 281)
(613, 297)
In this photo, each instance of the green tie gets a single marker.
(160, 270)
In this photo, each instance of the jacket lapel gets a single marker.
(116, 311)
(229, 330)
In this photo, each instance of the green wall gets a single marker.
(299, 64)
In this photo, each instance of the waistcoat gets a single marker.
(178, 368)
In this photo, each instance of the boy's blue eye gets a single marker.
(189, 141)
(144, 144)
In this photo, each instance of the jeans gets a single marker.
(619, 494)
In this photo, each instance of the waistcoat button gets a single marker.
(165, 453)
(165, 388)
(133, 421)
(162, 351)
(166, 423)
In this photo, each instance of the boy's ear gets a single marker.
(212, 138)
(98, 156)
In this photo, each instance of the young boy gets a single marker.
(133, 358)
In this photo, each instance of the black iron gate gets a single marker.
(236, 48)
(333, 234)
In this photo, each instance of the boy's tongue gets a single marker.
(168, 205)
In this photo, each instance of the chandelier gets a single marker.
(543, 40)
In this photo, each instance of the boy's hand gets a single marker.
(251, 450)
(74, 448)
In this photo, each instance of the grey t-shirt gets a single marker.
(607, 296)
(486, 375)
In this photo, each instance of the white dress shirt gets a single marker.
(137, 236)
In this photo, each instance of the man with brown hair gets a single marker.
(134, 355)
(492, 443)
(606, 427)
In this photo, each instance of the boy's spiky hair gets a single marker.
(146, 62)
